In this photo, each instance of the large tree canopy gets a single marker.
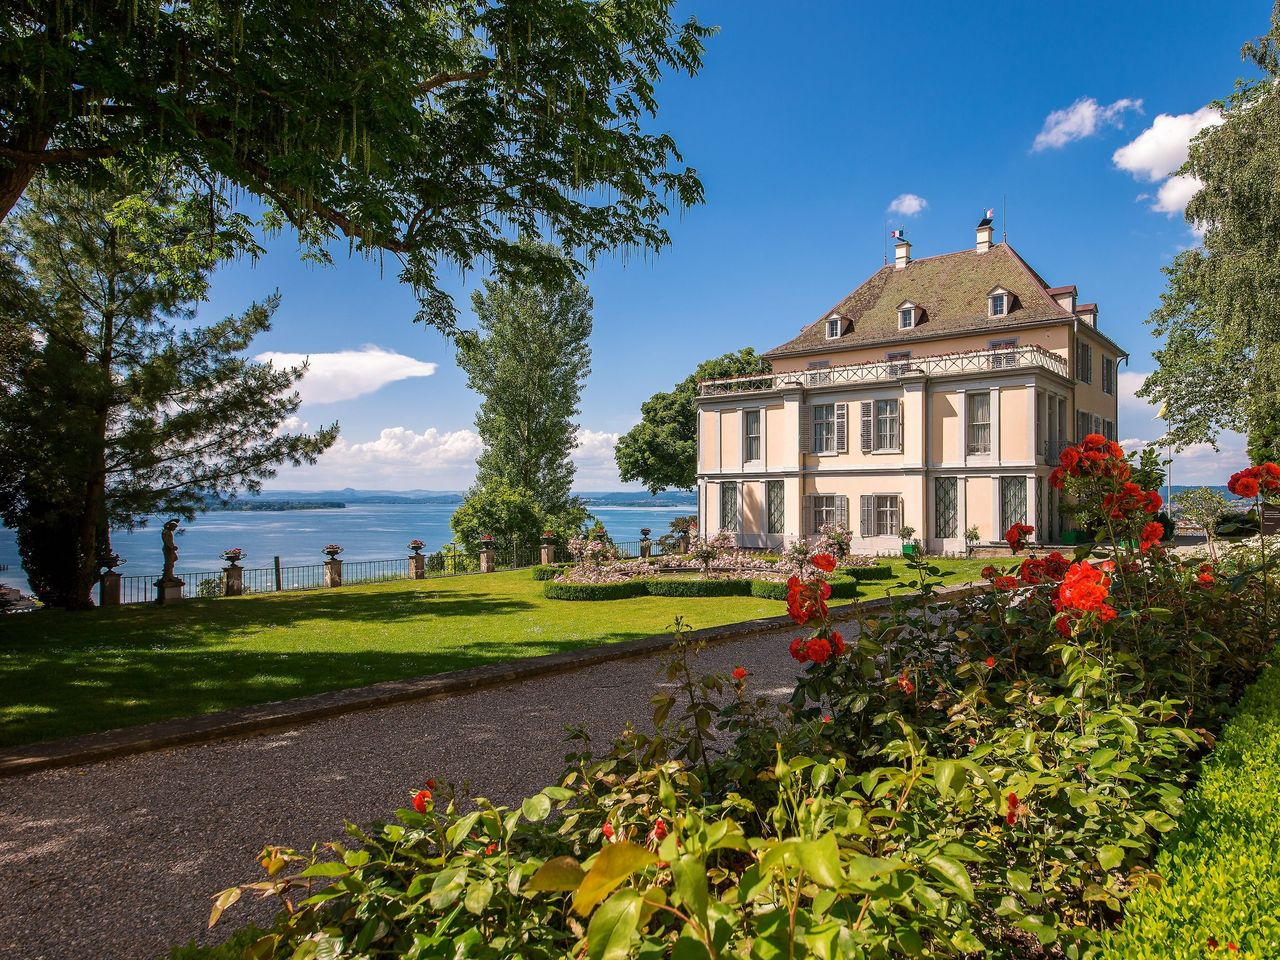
(114, 403)
(1220, 315)
(435, 130)
(661, 451)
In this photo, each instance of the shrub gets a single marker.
(549, 571)
(689, 587)
(879, 571)
(1222, 871)
(209, 587)
(842, 588)
(557, 590)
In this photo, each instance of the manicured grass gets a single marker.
(68, 673)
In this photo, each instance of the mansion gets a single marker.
(936, 396)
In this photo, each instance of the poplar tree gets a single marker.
(116, 404)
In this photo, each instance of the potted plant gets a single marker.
(970, 538)
(909, 546)
(112, 560)
(644, 533)
(232, 556)
(416, 546)
(332, 550)
(548, 536)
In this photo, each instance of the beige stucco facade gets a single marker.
(960, 434)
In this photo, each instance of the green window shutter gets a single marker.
(867, 506)
(868, 426)
(842, 428)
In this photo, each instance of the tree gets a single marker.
(661, 451)
(1205, 507)
(432, 130)
(116, 405)
(509, 515)
(528, 361)
(1220, 314)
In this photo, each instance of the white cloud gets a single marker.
(908, 204)
(1161, 149)
(399, 458)
(1082, 119)
(347, 374)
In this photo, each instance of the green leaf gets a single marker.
(691, 886)
(478, 897)
(944, 774)
(1019, 881)
(611, 866)
(613, 929)
(1110, 856)
(557, 875)
(225, 899)
(821, 860)
(327, 869)
(954, 873)
(537, 807)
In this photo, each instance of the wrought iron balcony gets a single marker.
(1052, 449)
(944, 364)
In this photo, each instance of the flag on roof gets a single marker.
(899, 234)
(991, 212)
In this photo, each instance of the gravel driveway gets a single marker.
(119, 859)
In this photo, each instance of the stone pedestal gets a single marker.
(683, 543)
(233, 580)
(646, 549)
(417, 567)
(109, 589)
(333, 572)
(169, 591)
(548, 553)
(488, 560)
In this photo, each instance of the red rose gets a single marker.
(1245, 483)
(491, 849)
(1012, 816)
(826, 718)
(1063, 625)
(659, 830)
(739, 673)
(1086, 588)
(431, 783)
(991, 662)
(607, 831)
(1017, 534)
(1057, 479)
(988, 572)
(1006, 583)
(818, 649)
(1205, 578)
(1212, 943)
(420, 800)
(797, 649)
(905, 684)
(823, 561)
(837, 643)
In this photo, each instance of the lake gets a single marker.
(375, 531)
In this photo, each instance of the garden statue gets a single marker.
(170, 549)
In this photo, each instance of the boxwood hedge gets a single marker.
(880, 571)
(1222, 871)
(699, 588)
(555, 590)
(549, 571)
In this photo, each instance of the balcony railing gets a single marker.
(945, 364)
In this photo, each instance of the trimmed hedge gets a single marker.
(880, 571)
(595, 591)
(549, 571)
(1222, 870)
(699, 588)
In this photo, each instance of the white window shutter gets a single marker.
(868, 427)
(902, 506)
(806, 428)
(842, 428)
(868, 511)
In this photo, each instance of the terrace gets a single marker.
(944, 364)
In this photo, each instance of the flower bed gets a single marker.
(990, 777)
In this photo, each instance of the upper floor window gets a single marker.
(833, 328)
(899, 362)
(1084, 361)
(888, 425)
(979, 439)
(1004, 353)
(906, 318)
(824, 428)
(997, 304)
(750, 435)
(1108, 375)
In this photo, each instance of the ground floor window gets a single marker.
(1013, 502)
(946, 506)
(825, 509)
(729, 507)
(775, 497)
(881, 515)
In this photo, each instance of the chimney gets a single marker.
(901, 253)
(985, 234)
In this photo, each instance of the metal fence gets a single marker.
(257, 580)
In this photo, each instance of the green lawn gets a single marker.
(67, 673)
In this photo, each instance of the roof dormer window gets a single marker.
(908, 315)
(998, 302)
(835, 327)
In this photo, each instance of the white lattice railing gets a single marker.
(974, 361)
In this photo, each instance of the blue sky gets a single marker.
(805, 129)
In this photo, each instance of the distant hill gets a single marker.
(349, 496)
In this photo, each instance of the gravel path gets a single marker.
(119, 859)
